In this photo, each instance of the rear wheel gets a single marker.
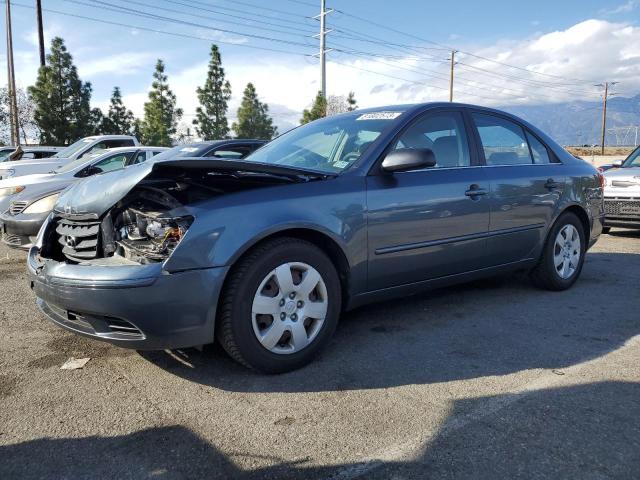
(562, 256)
(280, 307)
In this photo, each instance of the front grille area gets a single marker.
(17, 207)
(622, 207)
(79, 238)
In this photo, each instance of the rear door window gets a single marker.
(503, 141)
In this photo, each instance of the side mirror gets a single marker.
(89, 171)
(618, 163)
(405, 159)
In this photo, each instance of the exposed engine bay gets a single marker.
(144, 230)
(151, 220)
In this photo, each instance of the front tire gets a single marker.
(280, 306)
(562, 256)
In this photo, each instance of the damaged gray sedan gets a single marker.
(263, 254)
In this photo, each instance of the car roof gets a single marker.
(230, 141)
(108, 137)
(131, 148)
(42, 149)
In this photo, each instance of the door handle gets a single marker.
(474, 191)
(551, 184)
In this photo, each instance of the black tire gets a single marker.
(234, 329)
(606, 230)
(544, 274)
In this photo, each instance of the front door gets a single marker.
(428, 223)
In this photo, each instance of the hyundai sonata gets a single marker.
(264, 253)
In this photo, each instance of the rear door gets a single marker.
(433, 222)
(526, 185)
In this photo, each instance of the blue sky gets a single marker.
(578, 42)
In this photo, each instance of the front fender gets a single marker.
(226, 227)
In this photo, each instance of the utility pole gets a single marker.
(40, 31)
(453, 62)
(13, 103)
(323, 50)
(604, 111)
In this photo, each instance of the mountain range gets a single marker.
(580, 123)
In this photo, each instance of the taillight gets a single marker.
(601, 179)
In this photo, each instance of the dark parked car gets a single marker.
(27, 153)
(226, 149)
(265, 253)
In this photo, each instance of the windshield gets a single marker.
(181, 151)
(78, 163)
(633, 160)
(329, 145)
(4, 154)
(73, 148)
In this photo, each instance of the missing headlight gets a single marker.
(150, 236)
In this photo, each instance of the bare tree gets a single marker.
(26, 123)
(340, 104)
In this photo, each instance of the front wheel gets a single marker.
(280, 306)
(562, 256)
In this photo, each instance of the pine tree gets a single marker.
(62, 100)
(96, 122)
(160, 113)
(136, 131)
(318, 110)
(352, 102)
(211, 116)
(253, 117)
(119, 120)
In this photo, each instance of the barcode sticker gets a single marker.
(379, 116)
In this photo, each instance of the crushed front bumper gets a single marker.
(132, 306)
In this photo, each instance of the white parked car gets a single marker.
(79, 149)
(622, 194)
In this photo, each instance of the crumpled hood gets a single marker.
(96, 195)
(99, 193)
(622, 182)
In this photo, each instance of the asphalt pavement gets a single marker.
(493, 379)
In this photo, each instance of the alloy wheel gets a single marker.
(567, 251)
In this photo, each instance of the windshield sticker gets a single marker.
(379, 116)
(189, 149)
(340, 164)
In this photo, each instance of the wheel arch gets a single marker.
(322, 240)
(582, 215)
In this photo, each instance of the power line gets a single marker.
(413, 81)
(163, 32)
(134, 12)
(362, 19)
(224, 11)
(198, 15)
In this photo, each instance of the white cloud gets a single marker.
(127, 63)
(626, 7)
